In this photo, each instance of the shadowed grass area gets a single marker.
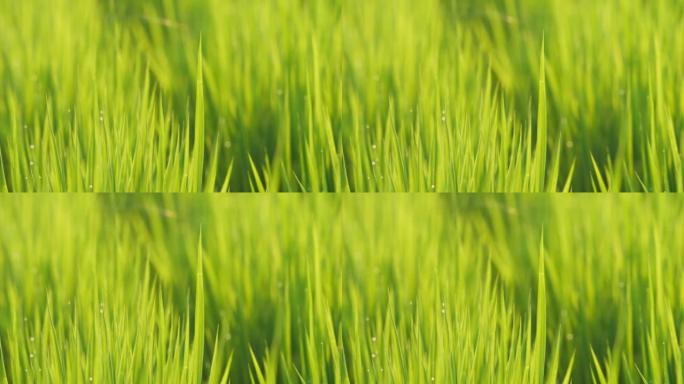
(341, 288)
(381, 95)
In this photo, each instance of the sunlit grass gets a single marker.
(341, 289)
(443, 95)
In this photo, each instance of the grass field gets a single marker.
(341, 96)
(347, 95)
(347, 288)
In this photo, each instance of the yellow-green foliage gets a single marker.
(341, 288)
(381, 95)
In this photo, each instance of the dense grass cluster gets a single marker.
(290, 95)
(341, 289)
(340, 96)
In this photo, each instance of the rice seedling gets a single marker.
(341, 288)
(285, 95)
